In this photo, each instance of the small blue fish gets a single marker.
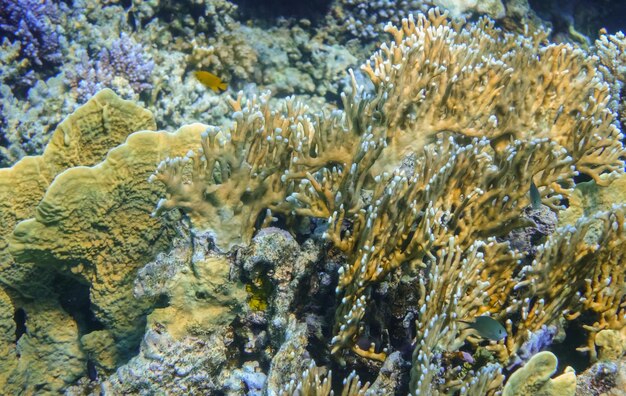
(535, 196)
(487, 327)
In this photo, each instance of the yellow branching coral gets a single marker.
(579, 269)
(229, 55)
(486, 381)
(611, 50)
(477, 82)
(268, 159)
(440, 79)
(450, 290)
(316, 381)
(466, 192)
(237, 173)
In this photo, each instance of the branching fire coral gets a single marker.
(428, 174)
(422, 179)
(237, 173)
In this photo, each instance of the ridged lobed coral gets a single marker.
(83, 138)
(94, 224)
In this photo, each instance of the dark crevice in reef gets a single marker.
(317, 292)
(74, 298)
(162, 301)
(582, 178)
(313, 10)
(565, 350)
(319, 301)
(169, 11)
(20, 323)
(586, 16)
(247, 352)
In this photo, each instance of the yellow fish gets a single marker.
(210, 80)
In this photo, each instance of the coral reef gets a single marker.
(610, 344)
(460, 200)
(603, 378)
(494, 8)
(170, 366)
(289, 250)
(365, 19)
(29, 126)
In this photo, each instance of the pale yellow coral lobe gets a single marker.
(95, 223)
(204, 300)
(534, 378)
(83, 138)
(50, 353)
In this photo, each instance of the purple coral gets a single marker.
(34, 24)
(125, 58)
(536, 342)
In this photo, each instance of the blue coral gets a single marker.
(35, 25)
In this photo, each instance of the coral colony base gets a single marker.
(454, 226)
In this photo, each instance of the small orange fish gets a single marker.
(210, 80)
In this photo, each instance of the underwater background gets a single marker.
(349, 197)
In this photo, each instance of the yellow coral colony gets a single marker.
(83, 138)
(95, 223)
(462, 118)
